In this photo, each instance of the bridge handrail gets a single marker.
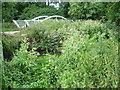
(53, 17)
(36, 19)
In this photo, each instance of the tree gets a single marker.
(8, 11)
(87, 10)
(33, 11)
(64, 7)
(12, 10)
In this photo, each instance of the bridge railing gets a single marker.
(25, 23)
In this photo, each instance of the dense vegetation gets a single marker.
(85, 58)
(62, 54)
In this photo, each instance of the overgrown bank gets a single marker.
(88, 56)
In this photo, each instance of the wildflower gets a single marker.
(62, 51)
(61, 41)
(90, 43)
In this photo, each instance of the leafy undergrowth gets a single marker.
(88, 57)
(10, 44)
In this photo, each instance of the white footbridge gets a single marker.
(25, 23)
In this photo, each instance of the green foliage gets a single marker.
(8, 11)
(73, 10)
(7, 30)
(10, 44)
(113, 13)
(1, 59)
(64, 7)
(26, 68)
(8, 25)
(12, 10)
(90, 63)
(46, 37)
(33, 11)
(85, 61)
(87, 10)
(20, 6)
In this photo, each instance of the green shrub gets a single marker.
(46, 37)
(90, 63)
(9, 44)
(25, 68)
(91, 27)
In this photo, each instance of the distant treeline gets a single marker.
(74, 10)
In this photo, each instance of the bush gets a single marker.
(49, 37)
(8, 46)
(46, 37)
(26, 67)
(90, 63)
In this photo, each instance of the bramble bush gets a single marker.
(88, 59)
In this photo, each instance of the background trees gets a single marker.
(95, 10)
(73, 10)
(33, 11)
(9, 11)
(87, 10)
(26, 10)
(64, 7)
